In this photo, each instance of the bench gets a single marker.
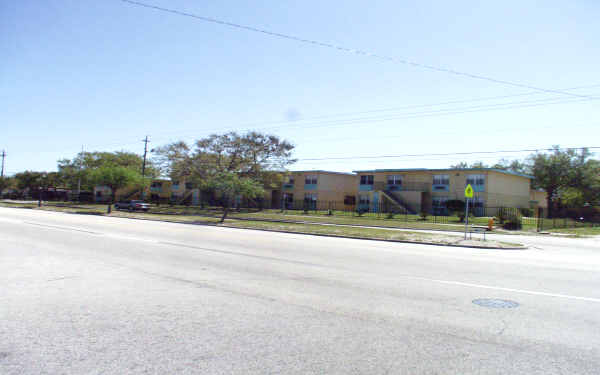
(477, 229)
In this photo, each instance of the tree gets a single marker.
(465, 165)
(561, 171)
(115, 177)
(5, 183)
(30, 180)
(254, 156)
(78, 169)
(461, 165)
(231, 186)
(516, 166)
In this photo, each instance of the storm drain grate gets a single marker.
(495, 303)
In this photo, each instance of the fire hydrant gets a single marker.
(491, 224)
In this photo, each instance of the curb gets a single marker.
(326, 235)
(307, 234)
(379, 239)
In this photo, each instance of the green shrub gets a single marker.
(527, 212)
(390, 215)
(513, 221)
(423, 215)
(456, 207)
(502, 214)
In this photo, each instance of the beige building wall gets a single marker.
(500, 189)
(330, 187)
(538, 199)
(507, 190)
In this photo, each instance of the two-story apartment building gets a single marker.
(417, 190)
(309, 187)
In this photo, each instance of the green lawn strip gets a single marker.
(363, 221)
(331, 230)
(578, 232)
(190, 219)
(191, 214)
(369, 233)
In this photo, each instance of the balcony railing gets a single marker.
(288, 186)
(409, 186)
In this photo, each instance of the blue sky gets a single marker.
(103, 74)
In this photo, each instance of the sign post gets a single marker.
(468, 194)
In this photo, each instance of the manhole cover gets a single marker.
(495, 303)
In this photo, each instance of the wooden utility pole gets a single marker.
(3, 156)
(145, 153)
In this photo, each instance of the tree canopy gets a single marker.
(115, 177)
(568, 177)
(230, 165)
(80, 167)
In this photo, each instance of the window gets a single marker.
(350, 200)
(156, 185)
(394, 180)
(189, 185)
(441, 179)
(476, 202)
(99, 194)
(310, 197)
(310, 201)
(476, 179)
(288, 200)
(310, 180)
(366, 179)
(290, 180)
(439, 202)
(364, 199)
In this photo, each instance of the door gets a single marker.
(375, 202)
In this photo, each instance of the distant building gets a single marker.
(417, 190)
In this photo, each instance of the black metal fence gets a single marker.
(507, 217)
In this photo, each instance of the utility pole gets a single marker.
(144, 165)
(3, 156)
(145, 152)
(79, 174)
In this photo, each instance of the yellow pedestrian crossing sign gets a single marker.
(469, 191)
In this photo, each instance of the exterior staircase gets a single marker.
(397, 201)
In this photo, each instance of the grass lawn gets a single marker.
(446, 223)
(580, 232)
(382, 234)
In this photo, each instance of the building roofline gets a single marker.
(447, 170)
(322, 171)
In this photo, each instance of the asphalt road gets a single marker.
(96, 295)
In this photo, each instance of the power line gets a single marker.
(439, 112)
(349, 50)
(447, 154)
(412, 115)
(391, 109)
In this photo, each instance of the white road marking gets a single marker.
(448, 282)
(522, 291)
